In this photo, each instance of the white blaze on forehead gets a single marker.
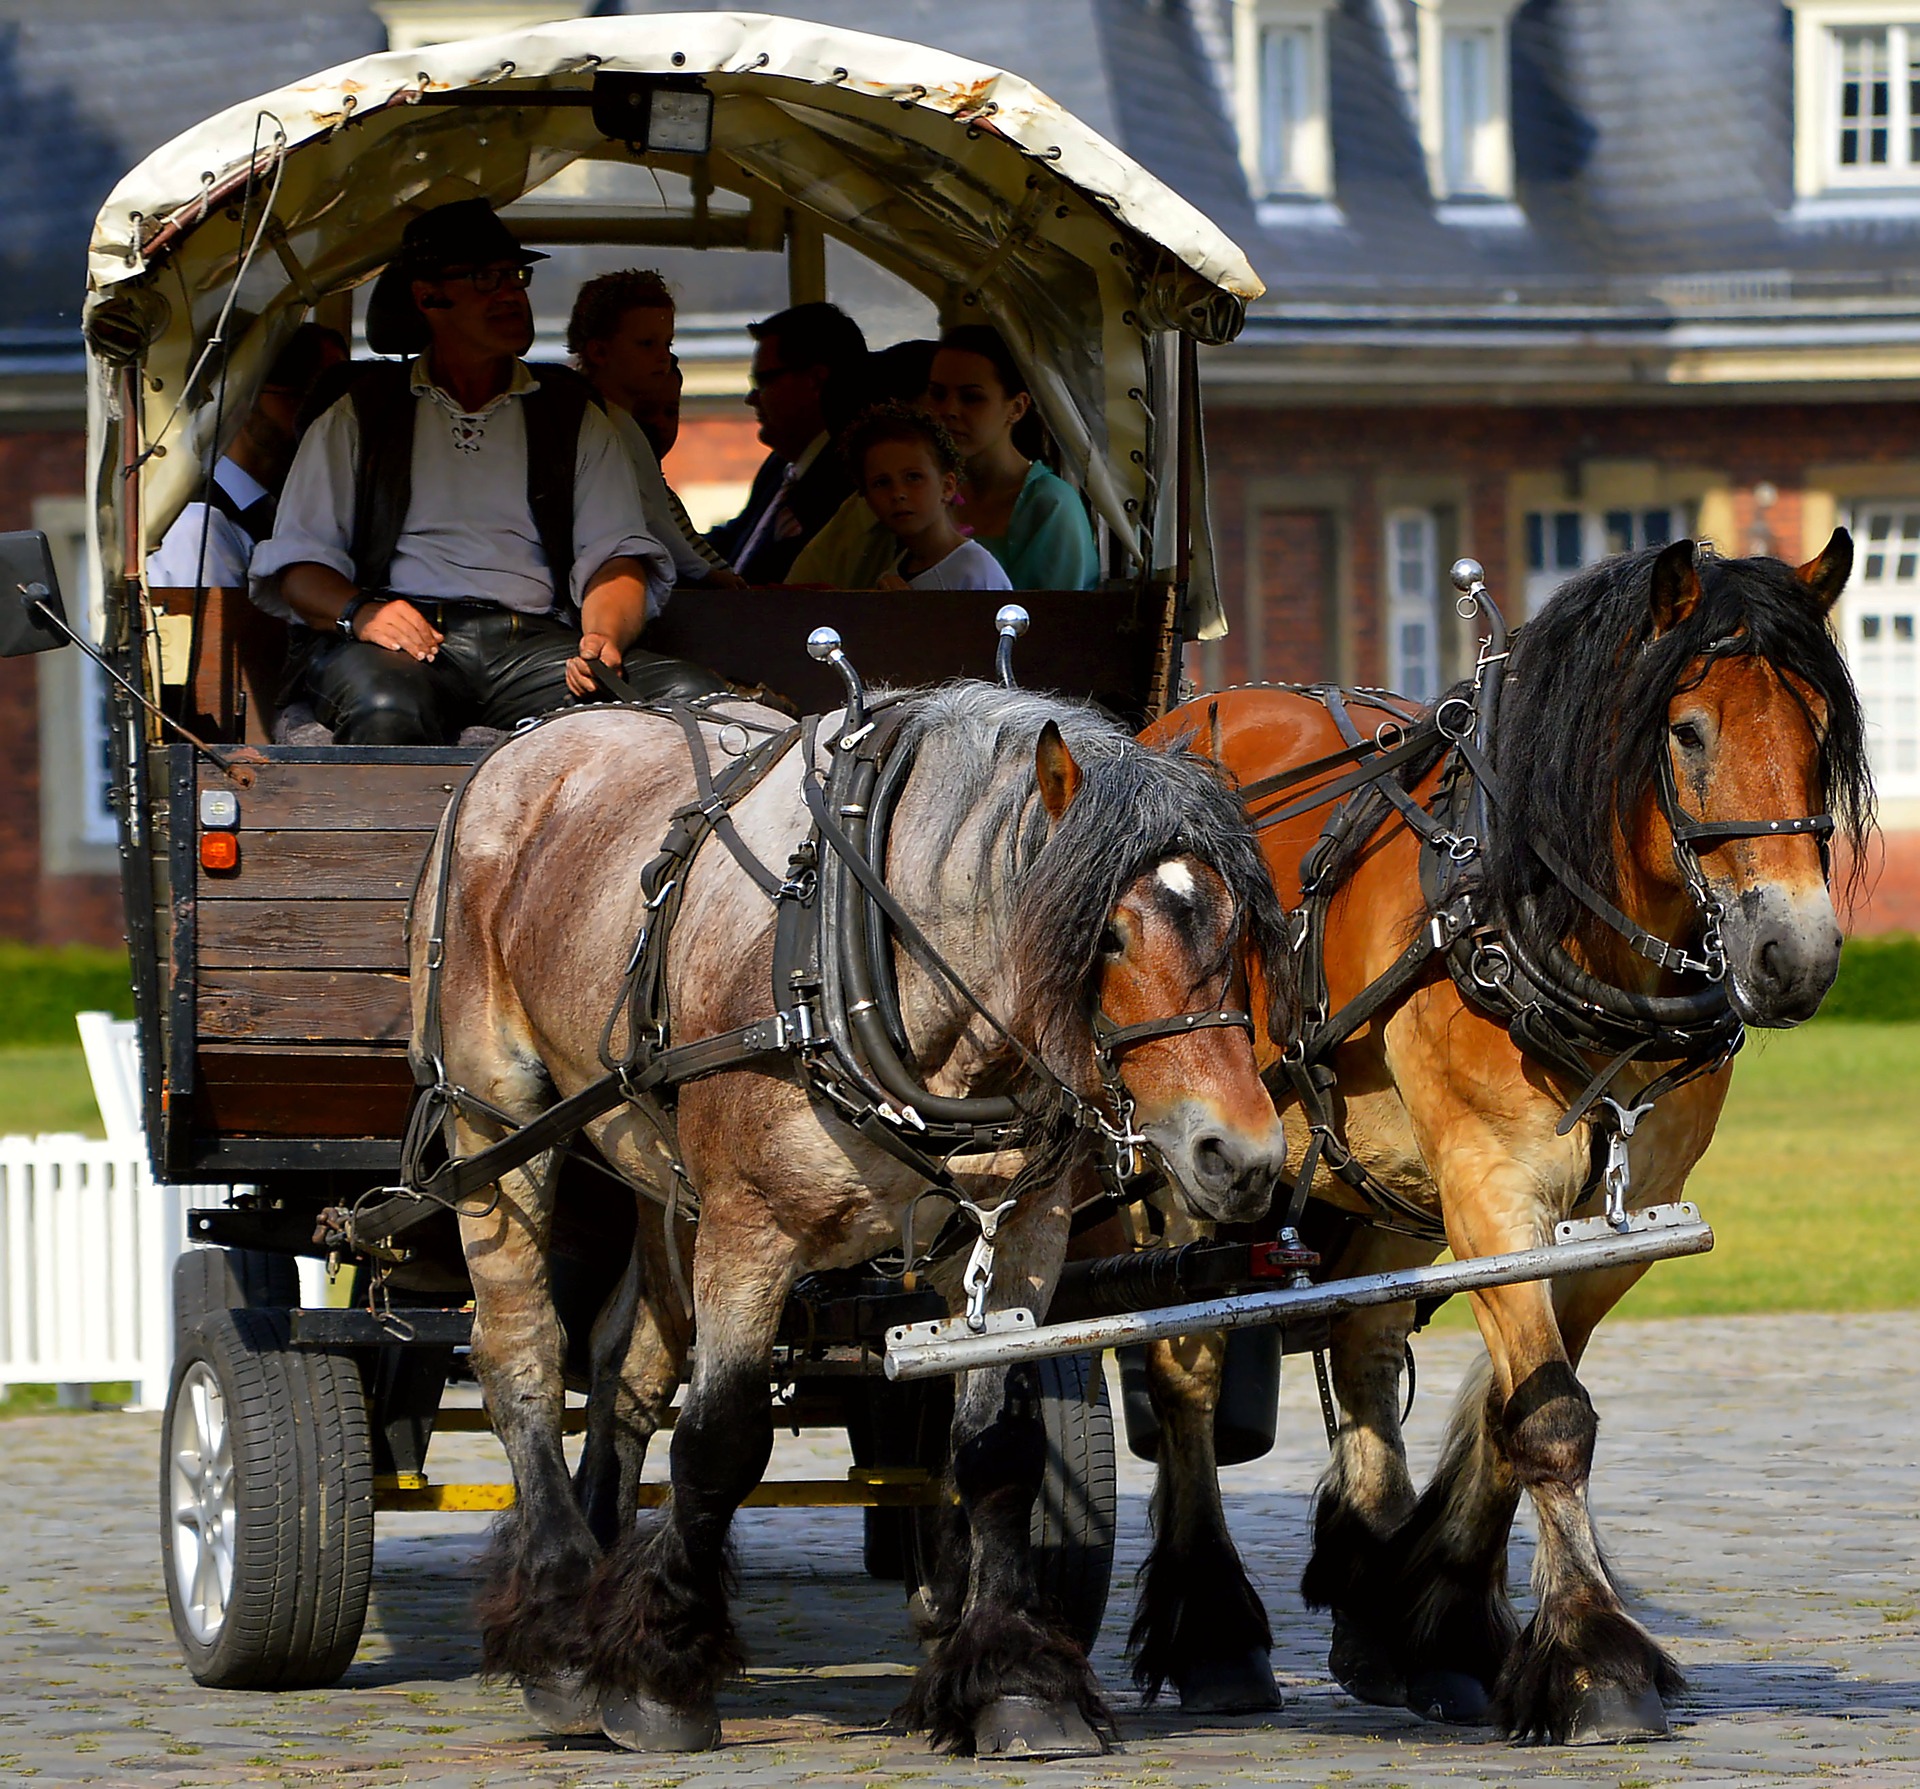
(1178, 879)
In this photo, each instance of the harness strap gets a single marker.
(1114, 1038)
(1408, 749)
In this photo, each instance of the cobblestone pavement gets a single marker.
(1755, 1481)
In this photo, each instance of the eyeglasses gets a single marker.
(486, 281)
(765, 376)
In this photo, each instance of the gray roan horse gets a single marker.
(1062, 870)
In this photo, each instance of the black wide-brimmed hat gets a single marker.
(467, 233)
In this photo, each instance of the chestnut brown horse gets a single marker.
(1725, 669)
(1052, 866)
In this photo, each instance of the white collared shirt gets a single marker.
(180, 562)
(689, 563)
(469, 533)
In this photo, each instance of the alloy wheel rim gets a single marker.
(200, 1455)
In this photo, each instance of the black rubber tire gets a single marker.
(208, 1279)
(1075, 1515)
(301, 1505)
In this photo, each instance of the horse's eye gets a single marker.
(1111, 943)
(1687, 736)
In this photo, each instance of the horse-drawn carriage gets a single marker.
(278, 985)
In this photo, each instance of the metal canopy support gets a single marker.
(806, 260)
(927, 1350)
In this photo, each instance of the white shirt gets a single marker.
(178, 562)
(469, 533)
(689, 564)
(968, 567)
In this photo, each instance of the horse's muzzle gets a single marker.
(1225, 1173)
(1783, 953)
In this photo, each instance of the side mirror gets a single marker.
(27, 585)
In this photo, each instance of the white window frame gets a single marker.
(78, 830)
(1595, 541)
(1817, 27)
(1309, 171)
(1441, 23)
(1878, 666)
(1412, 600)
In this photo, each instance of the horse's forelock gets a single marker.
(1589, 680)
(1135, 807)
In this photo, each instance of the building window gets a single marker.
(1471, 130)
(1879, 619)
(1561, 542)
(1413, 604)
(1856, 96)
(1280, 55)
(1465, 125)
(78, 834)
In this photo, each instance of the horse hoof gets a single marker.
(1608, 1714)
(1365, 1674)
(1232, 1686)
(641, 1724)
(1026, 1727)
(1450, 1696)
(562, 1704)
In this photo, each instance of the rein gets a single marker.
(1552, 1007)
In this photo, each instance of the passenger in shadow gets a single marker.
(621, 337)
(809, 377)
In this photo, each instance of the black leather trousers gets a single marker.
(495, 668)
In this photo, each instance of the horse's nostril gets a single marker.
(1213, 1163)
(1774, 968)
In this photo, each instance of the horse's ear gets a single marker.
(1675, 587)
(1827, 575)
(1055, 771)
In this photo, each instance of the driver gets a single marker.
(459, 537)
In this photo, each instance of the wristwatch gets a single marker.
(344, 620)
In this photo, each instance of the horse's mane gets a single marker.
(1136, 806)
(1585, 711)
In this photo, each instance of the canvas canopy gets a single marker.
(962, 179)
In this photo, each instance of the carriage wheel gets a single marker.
(266, 1506)
(1074, 1515)
(207, 1279)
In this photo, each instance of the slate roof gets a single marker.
(87, 90)
(1653, 146)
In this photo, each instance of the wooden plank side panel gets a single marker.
(288, 1090)
(303, 934)
(348, 797)
(316, 866)
(303, 1006)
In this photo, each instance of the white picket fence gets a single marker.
(88, 1241)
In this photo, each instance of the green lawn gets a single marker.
(1812, 1185)
(45, 1088)
(1813, 1181)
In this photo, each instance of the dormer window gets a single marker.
(1856, 97)
(1280, 72)
(1465, 123)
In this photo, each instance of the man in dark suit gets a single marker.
(808, 378)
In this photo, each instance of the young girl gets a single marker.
(1028, 517)
(908, 471)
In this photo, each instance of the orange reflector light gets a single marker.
(219, 851)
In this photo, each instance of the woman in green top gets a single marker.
(1025, 515)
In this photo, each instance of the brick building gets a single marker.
(1547, 278)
